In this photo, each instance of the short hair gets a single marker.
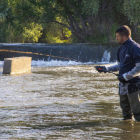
(124, 31)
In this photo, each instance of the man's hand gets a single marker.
(101, 69)
(121, 78)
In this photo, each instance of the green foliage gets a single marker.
(64, 21)
(17, 24)
(132, 10)
(112, 36)
(90, 7)
(32, 33)
(100, 38)
(55, 33)
(22, 9)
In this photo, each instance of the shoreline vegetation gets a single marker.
(69, 21)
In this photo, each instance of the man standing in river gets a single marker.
(128, 64)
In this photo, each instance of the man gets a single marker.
(128, 64)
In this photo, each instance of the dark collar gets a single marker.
(127, 41)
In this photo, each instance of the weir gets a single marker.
(80, 52)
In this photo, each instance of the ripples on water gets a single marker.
(63, 103)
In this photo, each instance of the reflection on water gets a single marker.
(72, 102)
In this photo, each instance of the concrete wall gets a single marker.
(17, 65)
(82, 52)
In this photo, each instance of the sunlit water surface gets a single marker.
(63, 101)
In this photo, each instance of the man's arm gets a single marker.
(113, 67)
(133, 73)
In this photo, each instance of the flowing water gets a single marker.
(62, 101)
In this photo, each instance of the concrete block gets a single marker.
(17, 65)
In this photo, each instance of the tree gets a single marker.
(88, 20)
(17, 21)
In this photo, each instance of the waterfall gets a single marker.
(106, 56)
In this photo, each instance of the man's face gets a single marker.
(119, 38)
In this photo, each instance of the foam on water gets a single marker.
(56, 63)
(42, 63)
(52, 63)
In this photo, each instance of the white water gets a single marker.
(42, 63)
(106, 57)
(56, 63)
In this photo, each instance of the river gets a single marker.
(62, 101)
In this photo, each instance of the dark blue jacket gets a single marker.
(128, 55)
